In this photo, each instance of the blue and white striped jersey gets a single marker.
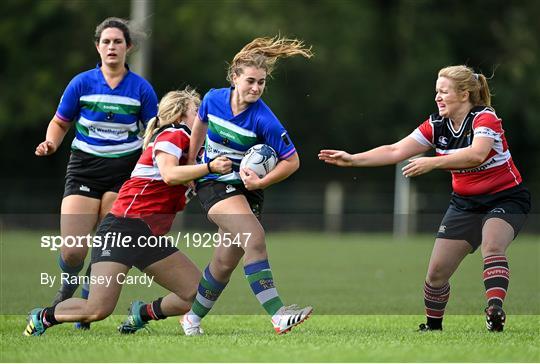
(108, 121)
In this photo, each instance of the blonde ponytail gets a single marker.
(151, 128)
(484, 94)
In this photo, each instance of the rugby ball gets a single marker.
(261, 159)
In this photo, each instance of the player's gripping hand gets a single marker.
(221, 165)
(336, 157)
(251, 180)
(45, 148)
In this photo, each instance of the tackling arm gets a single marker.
(380, 156)
(198, 134)
(174, 174)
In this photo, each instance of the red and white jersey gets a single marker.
(496, 173)
(145, 195)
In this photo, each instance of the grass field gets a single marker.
(326, 338)
(366, 291)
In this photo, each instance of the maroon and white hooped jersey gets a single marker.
(496, 173)
(145, 195)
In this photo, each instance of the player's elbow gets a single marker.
(168, 181)
(169, 178)
(63, 125)
(294, 163)
(476, 158)
(175, 181)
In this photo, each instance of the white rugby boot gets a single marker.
(191, 325)
(288, 317)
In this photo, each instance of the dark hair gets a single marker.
(113, 22)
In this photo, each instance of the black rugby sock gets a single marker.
(435, 300)
(47, 316)
(496, 279)
(152, 311)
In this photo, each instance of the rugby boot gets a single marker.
(495, 318)
(133, 322)
(34, 325)
(190, 326)
(288, 317)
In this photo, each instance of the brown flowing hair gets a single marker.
(264, 53)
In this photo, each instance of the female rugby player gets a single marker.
(109, 105)
(489, 204)
(229, 122)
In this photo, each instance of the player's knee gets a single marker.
(491, 247)
(97, 314)
(101, 315)
(255, 242)
(225, 268)
(73, 258)
(257, 249)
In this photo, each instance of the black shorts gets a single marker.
(466, 215)
(211, 192)
(91, 176)
(138, 254)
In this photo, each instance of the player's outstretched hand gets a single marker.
(251, 180)
(221, 165)
(45, 148)
(336, 157)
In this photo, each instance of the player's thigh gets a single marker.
(176, 273)
(79, 215)
(234, 205)
(504, 221)
(446, 256)
(497, 235)
(107, 200)
(105, 287)
(78, 218)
